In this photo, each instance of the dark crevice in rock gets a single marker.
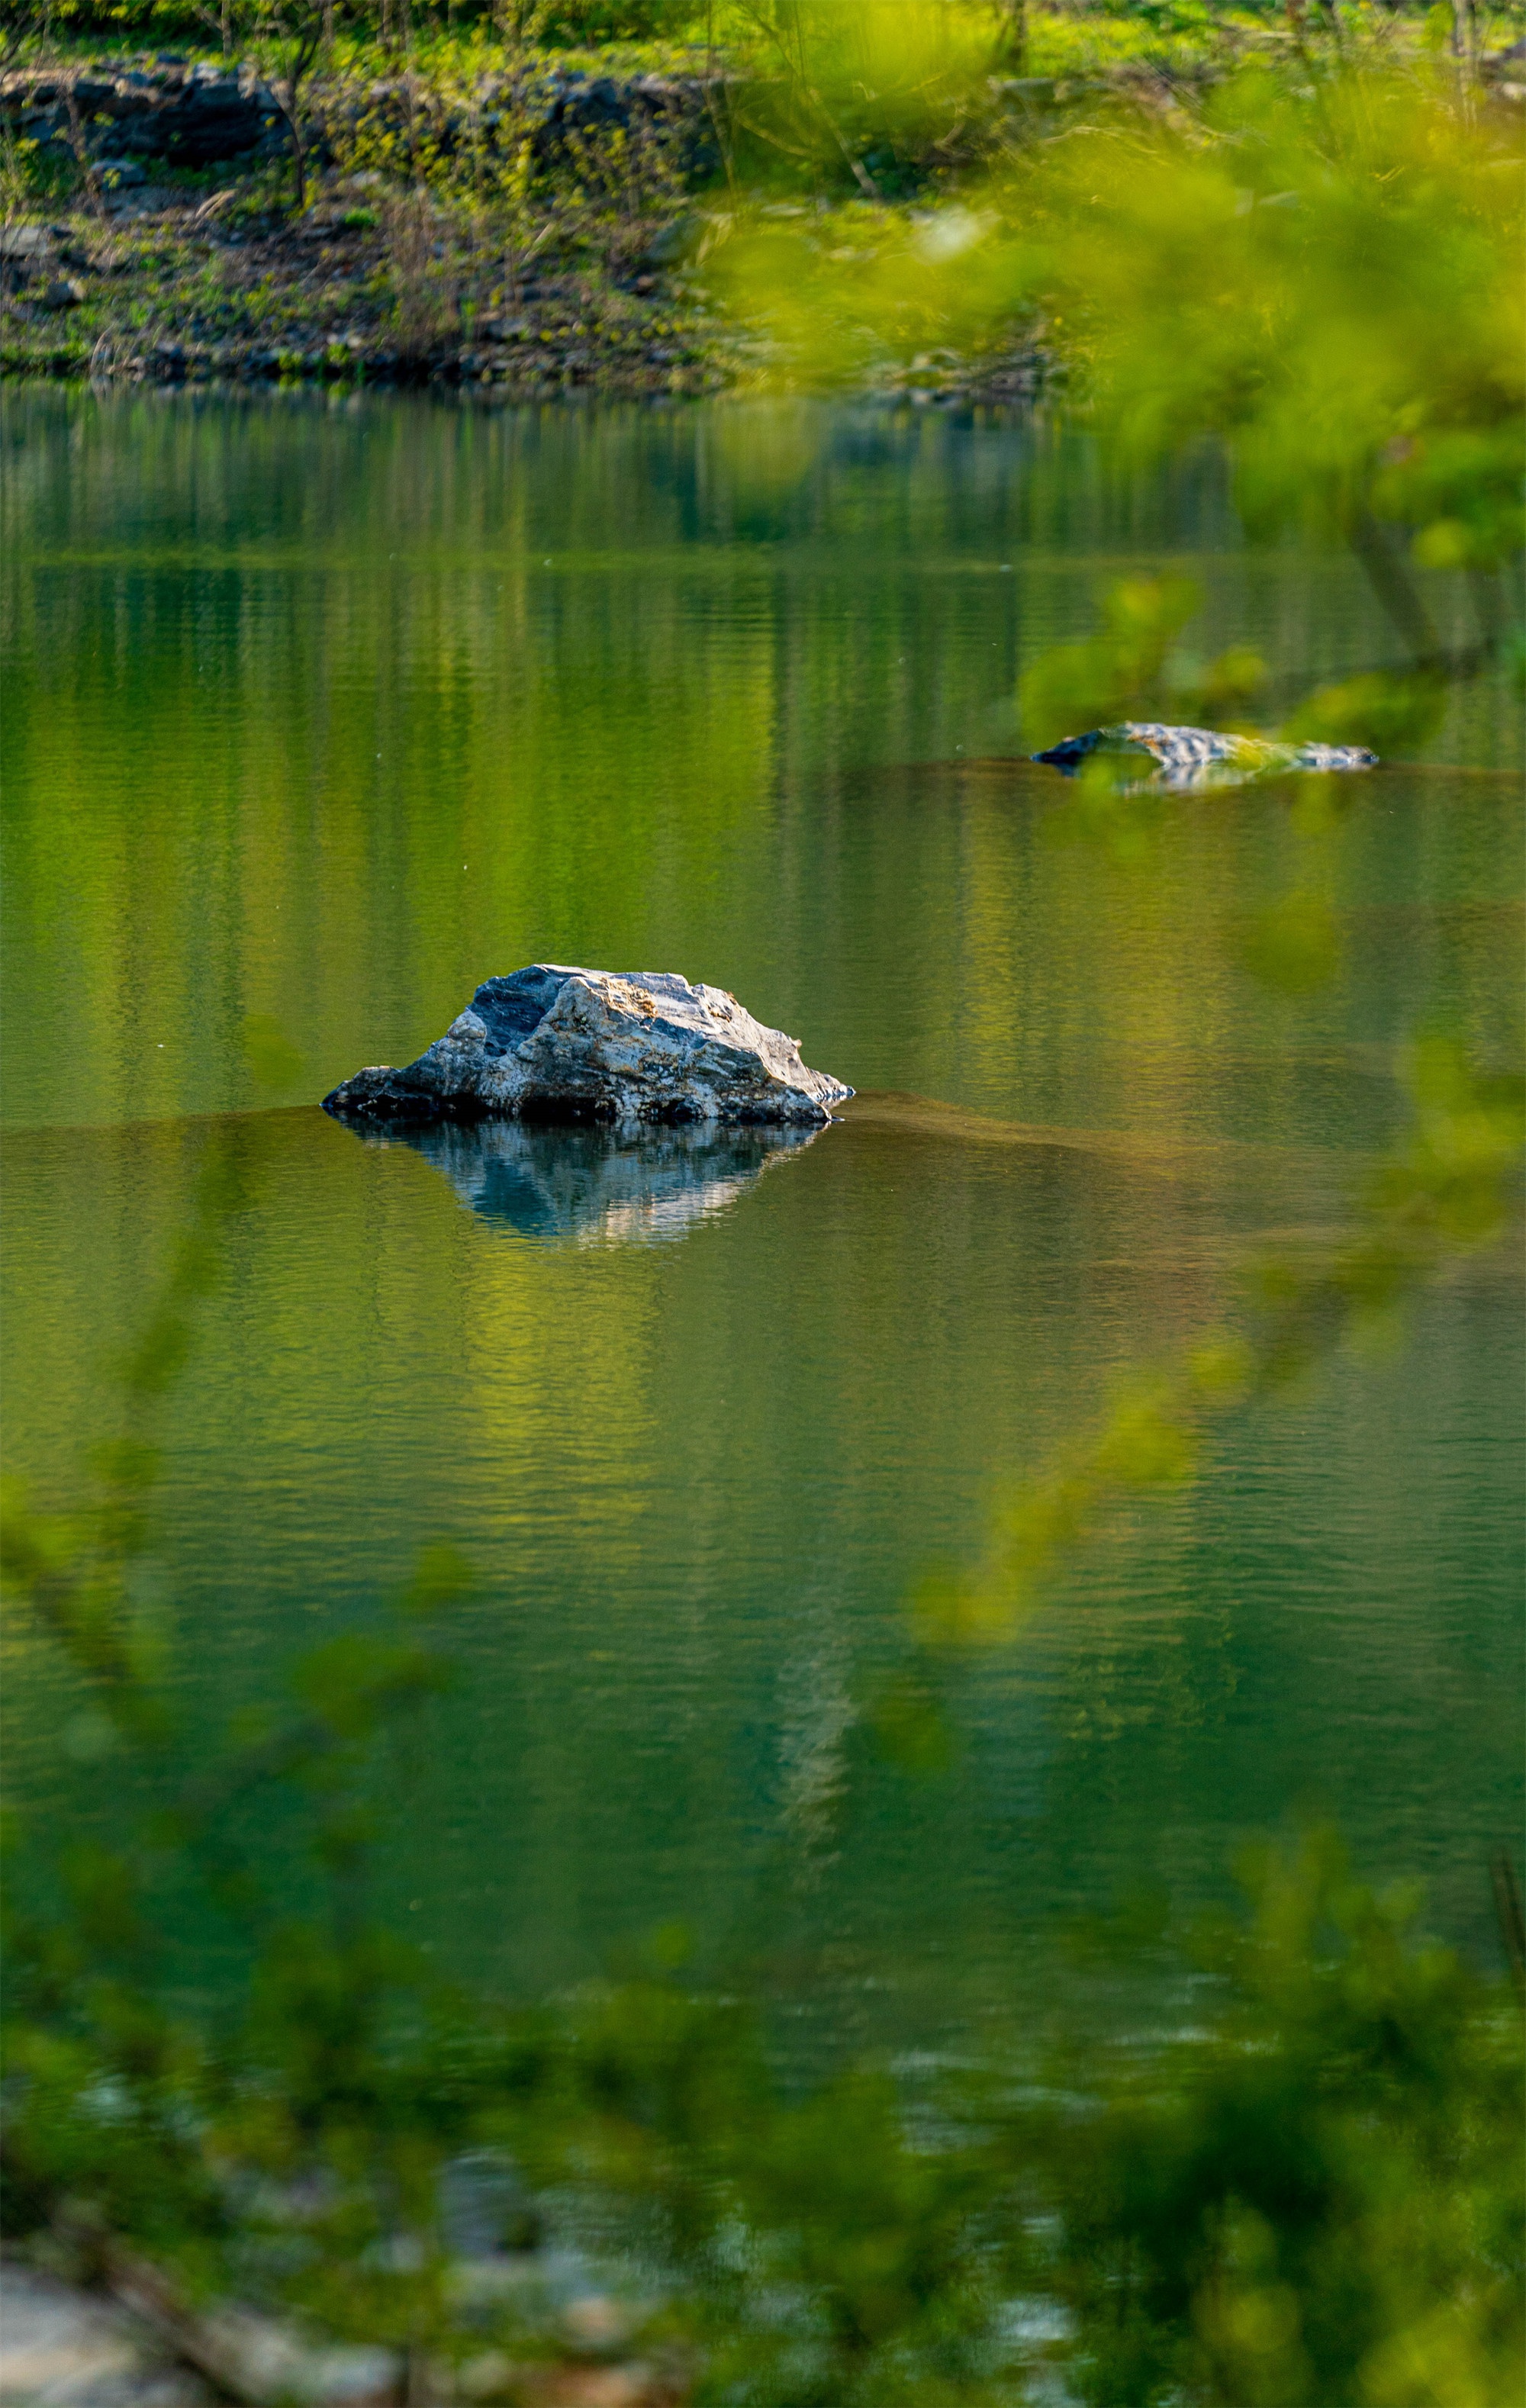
(509, 1009)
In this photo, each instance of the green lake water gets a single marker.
(323, 712)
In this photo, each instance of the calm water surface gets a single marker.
(322, 714)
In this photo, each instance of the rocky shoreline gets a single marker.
(296, 303)
(176, 257)
(124, 120)
(122, 299)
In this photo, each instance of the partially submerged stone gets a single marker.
(554, 1044)
(1185, 757)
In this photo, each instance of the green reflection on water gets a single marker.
(324, 715)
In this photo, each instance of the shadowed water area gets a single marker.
(319, 715)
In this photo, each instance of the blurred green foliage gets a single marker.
(1392, 714)
(1132, 669)
(1317, 2200)
(1264, 259)
(1311, 2194)
(1275, 271)
(1452, 1187)
(1313, 2197)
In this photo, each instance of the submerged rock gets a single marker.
(1182, 757)
(598, 1186)
(557, 1044)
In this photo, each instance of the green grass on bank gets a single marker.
(677, 36)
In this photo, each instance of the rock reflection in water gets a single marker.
(597, 1186)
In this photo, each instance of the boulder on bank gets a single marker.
(554, 1044)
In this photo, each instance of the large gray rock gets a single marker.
(557, 1044)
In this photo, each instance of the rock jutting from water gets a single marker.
(554, 1044)
(1181, 757)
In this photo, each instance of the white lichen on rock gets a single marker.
(556, 1044)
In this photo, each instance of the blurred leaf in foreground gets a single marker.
(1449, 1189)
(1268, 263)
